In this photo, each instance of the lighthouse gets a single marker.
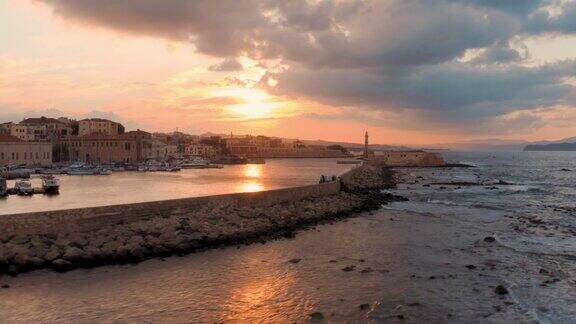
(366, 144)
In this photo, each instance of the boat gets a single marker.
(195, 163)
(80, 168)
(24, 187)
(102, 171)
(3, 187)
(50, 184)
(53, 171)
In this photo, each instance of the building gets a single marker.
(6, 128)
(415, 158)
(14, 151)
(266, 147)
(143, 142)
(99, 149)
(200, 149)
(99, 126)
(161, 151)
(51, 128)
(29, 132)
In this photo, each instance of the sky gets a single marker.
(410, 72)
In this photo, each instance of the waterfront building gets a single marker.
(14, 151)
(99, 148)
(28, 132)
(161, 151)
(51, 128)
(266, 147)
(200, 149)
(99, 126)
(143, 141)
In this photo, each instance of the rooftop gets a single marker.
(41, 120)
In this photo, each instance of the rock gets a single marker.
(364, 306)
(21, 260)
(73, 254)
(366, 270)
(501, 290)
(61, 265)
(36, 262)
(317, 316)
(349, 268)
(471, 267)
(564, 169)
(489, 239)
(294, 260)
(4, 286)
(52, 254)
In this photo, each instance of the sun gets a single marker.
(256, 104)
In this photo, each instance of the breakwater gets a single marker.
(63, 240)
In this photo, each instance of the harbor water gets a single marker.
(133, 187)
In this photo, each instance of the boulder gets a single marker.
(73, 254)
(52, 254)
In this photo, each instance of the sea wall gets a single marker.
(89, 237)
(86, 219)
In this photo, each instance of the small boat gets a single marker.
(195, 163)
(80, 168)
(53, 171)
(24, 187)
(104, 172)
(50, 184)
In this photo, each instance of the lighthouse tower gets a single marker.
(366, 145)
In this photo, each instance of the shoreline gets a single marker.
(199, 230)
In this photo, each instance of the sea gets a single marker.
(509, 220)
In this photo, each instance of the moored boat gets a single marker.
(194, 163)
(24, 187)
(80, 168)
(50, 184)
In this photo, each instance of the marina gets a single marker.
(122, 187)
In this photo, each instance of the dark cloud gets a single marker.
(499, 53)
(372, 55)
(228, 65)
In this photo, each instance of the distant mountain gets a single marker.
(500, 145)
(551, 147)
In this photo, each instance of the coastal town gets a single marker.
(46, 141)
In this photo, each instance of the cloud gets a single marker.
(368, 55)
(227, 65)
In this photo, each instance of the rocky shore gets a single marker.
(203, 229)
